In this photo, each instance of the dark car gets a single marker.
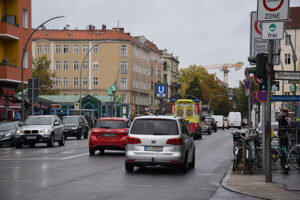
(213, 123)
(206, 127)
(75, 126)
(7, 132)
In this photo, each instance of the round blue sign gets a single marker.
(247, 74)
(261, 95)
(247, 84)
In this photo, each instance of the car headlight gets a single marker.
(7, 135)
(19, 132)
(45, 131)
(74, 127)
(205, 126)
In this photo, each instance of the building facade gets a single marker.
(112, 56)
(292, 29)
(15, 28)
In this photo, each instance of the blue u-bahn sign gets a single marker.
(285, 98)
(161, 90)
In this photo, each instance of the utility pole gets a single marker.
(269, 69)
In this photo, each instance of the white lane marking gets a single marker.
(8, 167)
(70, 151)
(111, 184)
(18, 181)
(30, 159)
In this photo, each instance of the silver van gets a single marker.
(159, 140)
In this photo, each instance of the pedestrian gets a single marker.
(283, 119)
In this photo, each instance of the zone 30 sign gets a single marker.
(272, 10)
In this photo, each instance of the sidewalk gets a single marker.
(282, 187)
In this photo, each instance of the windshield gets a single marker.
(210, 119)
(111, 124)
(7, 126)
(38, 121)
(70, 120)
(154, 127)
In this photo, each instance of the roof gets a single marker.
(157, 117)
(294, 18)
(97, 35)
(113, 119)
(103, 99)
(62, 98)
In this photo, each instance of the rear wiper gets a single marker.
(159, 134)
(105, 127)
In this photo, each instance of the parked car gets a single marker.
(213, 123)
(235, 120)
(206, 128)
(75, 126)
(159, 140)
(40, 129)
(8, 131)
(220, 121)
(110, 133)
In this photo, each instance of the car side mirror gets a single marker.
(56, 123)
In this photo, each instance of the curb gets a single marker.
(225, 185)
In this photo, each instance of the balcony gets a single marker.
(9, 28)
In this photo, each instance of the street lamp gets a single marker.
(22, 64)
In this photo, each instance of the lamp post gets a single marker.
(22, 62)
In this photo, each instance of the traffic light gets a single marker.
(230, 96)
(260, 70)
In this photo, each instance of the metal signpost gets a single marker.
(161, 92)
(33, 92)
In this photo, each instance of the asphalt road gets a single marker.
(69, 173)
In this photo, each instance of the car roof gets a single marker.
(113, 119)
(159, 117)
(41, 115)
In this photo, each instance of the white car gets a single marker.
(220, 121)
(235, 120)
(159, 140)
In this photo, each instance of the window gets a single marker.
(75, 65)
(65, 65)
(65, 94)
(75, 94)
(96, 49)
(84, 81)
(65, 81)
(47, 48)
(75, 48)
(25, 18)
(95, 80)
(124, 98)
(57, 65)
(57, 81)
(124, 67)
(165, 66)
(123, 83)
(165, 78)
(124, 52)
(287, 58)
(286, 93)
(95, 65)
(66, 48)
(85, 48)
(57, 48)
(25, 60)
(152, 70)
(39, 48)
(152, 85)
(75, 81)
(84, 66)
(287, 41)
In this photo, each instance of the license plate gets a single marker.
(153, 148)
(31, 137)
(109, 135)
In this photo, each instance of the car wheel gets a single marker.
(79, 135)
(51, 142)
(223, 128)
(240, 127)
(19, 145)
(129, 168)
(185, 164)
(62, 141)
(102, 151)
(209, 132)
(192, 164)
(92, 151)
(86, 134)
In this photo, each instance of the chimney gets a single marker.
(103, 27)
(121, 30)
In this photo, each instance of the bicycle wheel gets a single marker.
(294, 156)
(249, 161)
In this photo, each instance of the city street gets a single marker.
(70, 173)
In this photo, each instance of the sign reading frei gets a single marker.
(272, 10)
(287, 75)
(258, 45)
(272, 31)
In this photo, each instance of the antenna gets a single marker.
(118, 24)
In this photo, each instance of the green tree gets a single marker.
(45, 76)
(194, 88)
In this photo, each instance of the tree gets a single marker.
(194, 88)
(45, 76)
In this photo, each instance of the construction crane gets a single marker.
(225, 68)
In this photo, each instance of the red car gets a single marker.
(109, 133)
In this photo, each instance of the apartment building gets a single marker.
(15, 28)
(292, 28)
(170, 73)
(112, 56)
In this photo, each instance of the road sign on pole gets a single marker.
(272, 10)
(256, 80)
(161, 90)
(261, 95)
(287, 75)
(247, 74)
(272, 31)
(247, 84)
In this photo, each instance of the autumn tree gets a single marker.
(45, 76)
(194, 88)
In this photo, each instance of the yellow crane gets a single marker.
(225, 68)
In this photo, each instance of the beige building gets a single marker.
(292, 28)
(134, 63)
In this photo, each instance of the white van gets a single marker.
(235, 120)
(220, 121)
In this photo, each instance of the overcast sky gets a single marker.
(200, 32)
